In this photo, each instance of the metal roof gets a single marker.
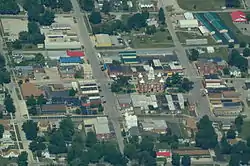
(70, 60)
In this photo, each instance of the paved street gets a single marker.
(201, 102)
(21, 108)
(111, 102)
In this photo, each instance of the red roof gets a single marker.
(238, 16)
(75, 53)
(163, 154)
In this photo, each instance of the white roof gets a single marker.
(189, 16)
(131, 120)
(189, 23)
(203, 30)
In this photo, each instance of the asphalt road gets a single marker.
(90, 52)
(195, 97)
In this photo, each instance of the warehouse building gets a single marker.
(188, 23)
(105, 40)
(70, 61)
(238, 16)
(61, 40)
(204, 31)
(216, 22)
(196, 41)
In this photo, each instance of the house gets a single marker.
(53, 109)
(238, 16)
(235, 71)
(10, 153)
(29, 89)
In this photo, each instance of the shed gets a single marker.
(189, 23)
(204, 31)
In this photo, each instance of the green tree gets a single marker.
(238, 123)
(67, 129)
(41, 100)
(37, 145)
(161, 16)
(150, 30)
(31, 101)
(176, 160)
(234, 160)
(57, 143)
(100, 108)
(1, 130)
(187, 85)
(91, 139)
(87, 5)
(231, 134)
(30, 128)
(9, 105)
(248, 141)
(186, 160)
(130, 151)
(145, 14)
(72, 92)
(205, 137)
(95, 17)
(194, 55)
(226, 71)
(47, 18)
(243, 44)
(225, 147)
(146, 159)
(136, 21)
(125, 5)
(33, 14)
(246, 52)
(106, 7)
(39, 59)
(76, 150)
(17, 44)
(235, 59)
(65, 5)
(33, 28)
(22, 159)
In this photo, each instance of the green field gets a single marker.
(201, 5)
(228, 21)
(189, 35)
(157, 40)
(219, 52)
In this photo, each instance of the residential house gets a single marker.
(43, 125)
(10, 153)
(235, 71)
(6, 140)
(29, 89)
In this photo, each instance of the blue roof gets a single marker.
(70, 60)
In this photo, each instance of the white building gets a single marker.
(88, 87)
(189, 16)
(130, 121)
(146, 4)
(204, 31)
(188, 23)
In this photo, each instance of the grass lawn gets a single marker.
(219, 52)
(157, 40)
(201, 5)
(189, 35)
(237, 33)
(245, 130)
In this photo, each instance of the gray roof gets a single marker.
(124, 99)
(50, 94)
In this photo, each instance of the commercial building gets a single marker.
(196, 42)
(143, 102)
(130, 121)
(60, 39)
(188, 23)
(72, 53)
(214, 20)
(105, 40)
(70, 61)
(88, 87)
(238, 16)
(53, 109)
